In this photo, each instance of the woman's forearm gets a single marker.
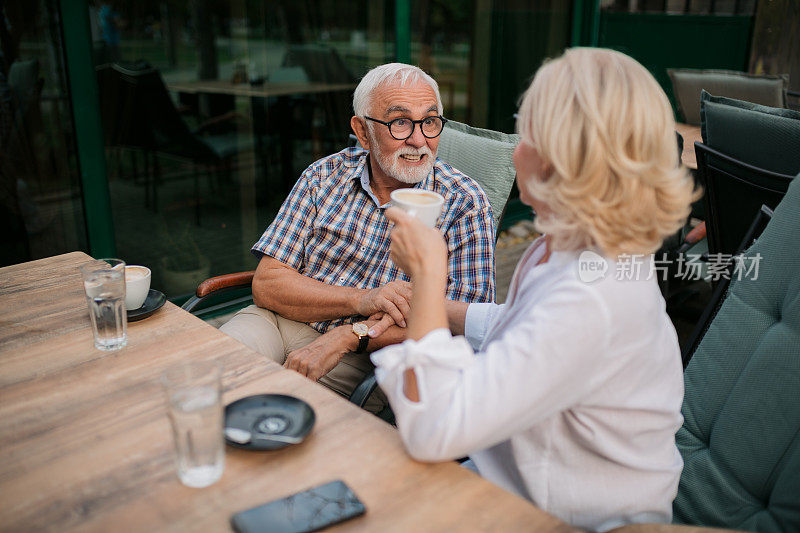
(427, 314)
(427, 305)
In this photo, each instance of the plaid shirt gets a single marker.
(331, 228)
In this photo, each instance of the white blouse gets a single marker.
(573, 400)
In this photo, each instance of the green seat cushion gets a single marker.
(485, 156)
(760, 89)
(766, 137)
(740, 439)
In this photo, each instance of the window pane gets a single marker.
(211, 112)
(41, 212)
(483, 54)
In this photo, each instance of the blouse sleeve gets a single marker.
(544, 363)
(479, 317)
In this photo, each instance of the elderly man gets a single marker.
(325, 279)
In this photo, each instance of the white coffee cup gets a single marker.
(137, 285)
(425, 205)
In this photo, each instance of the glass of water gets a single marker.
(194, 403)
(104, 283)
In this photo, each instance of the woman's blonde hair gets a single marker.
(605, 132)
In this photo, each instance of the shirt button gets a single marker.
(342, 278)
(363, 248)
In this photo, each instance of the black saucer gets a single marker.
(269, 413)
(155, 299)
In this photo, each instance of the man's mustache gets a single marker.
(414, 151)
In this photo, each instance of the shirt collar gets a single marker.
(363, 176)
(363, 170)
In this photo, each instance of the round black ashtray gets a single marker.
(269, 414)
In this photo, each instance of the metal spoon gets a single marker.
(242, 436)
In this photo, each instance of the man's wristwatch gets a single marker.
(361, 331)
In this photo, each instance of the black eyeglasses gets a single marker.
(402, 128)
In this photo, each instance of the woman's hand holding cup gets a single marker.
(416, 248)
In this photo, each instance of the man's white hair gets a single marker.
(399, 73)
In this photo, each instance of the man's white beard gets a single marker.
(392, 165)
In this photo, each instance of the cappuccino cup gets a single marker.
(425, 205)
(137, 285)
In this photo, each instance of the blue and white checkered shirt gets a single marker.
(331, 228)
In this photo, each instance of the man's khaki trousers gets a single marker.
(275, 337)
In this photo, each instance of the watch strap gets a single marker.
(363, 340)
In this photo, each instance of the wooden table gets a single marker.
(85, 442)
(265, 90)
(690, 134)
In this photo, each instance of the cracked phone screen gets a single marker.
(310, 510)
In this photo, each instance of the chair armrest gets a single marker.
(216, 284)
(697, 234)
(225, 281)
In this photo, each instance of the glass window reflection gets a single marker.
(41, 212)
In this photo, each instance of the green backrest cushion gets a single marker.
(485, 156)
(740, 439)
(766, 137)
(765, 89)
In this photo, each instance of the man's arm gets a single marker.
(278, 284)
(280, 288)
(456, 316)
(321, 355)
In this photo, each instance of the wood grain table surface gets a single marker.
(265, 90)
(690, 134)
(85, 442)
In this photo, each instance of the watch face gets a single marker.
(359, 328)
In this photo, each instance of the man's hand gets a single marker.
(320, 356)
(393, 298)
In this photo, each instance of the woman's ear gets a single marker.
(359, 128)
(547, 170)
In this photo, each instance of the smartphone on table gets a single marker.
(310, 510)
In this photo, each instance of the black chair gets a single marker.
(138, 113)
(323, 64)
(734, 194)
(280, 125)
(21, 162)
(677, 244)
(757, 226)
(793, 100)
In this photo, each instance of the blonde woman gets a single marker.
(569, 394)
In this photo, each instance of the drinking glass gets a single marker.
(104, 283)
(194, 402)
